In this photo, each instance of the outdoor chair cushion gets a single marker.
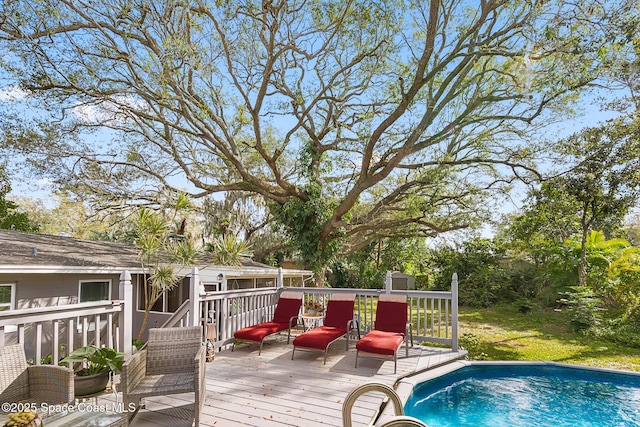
(258, 332)
(285, 317)
(394, 318)
(390, 330)
(339, 313)
(286, 308)
(380, 342)
(320, 337)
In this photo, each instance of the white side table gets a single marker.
(310, 322)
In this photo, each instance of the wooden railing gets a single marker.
(56, 331)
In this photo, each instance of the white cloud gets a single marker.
(12, 93)
(44, 183)
(106, 111)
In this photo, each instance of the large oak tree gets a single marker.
(354, 120)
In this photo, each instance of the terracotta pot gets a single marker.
(90, 384)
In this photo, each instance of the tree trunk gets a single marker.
(582, 265)
(321, 276)
(145, 318)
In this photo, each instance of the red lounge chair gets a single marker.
(337, 323)
(284, 318)
(390, 330)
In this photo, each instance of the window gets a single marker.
(7, 296)
(170, 301)
(95, 290)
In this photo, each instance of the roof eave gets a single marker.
(67, 269)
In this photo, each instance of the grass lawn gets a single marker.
(503, 333)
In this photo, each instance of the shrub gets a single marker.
(473, 345)
(524, 305)
(584, 306)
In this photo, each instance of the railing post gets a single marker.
(126, 315)
(194, 297)
(454, 312)
(388, 283)
(280, 279)
(223, 282)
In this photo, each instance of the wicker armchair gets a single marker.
(38, 384)
(173, 362)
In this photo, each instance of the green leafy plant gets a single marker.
(585, 308)
(473, 345)
(524, 305)
(98, 360)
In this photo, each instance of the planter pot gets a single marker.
(311, 312)
(90, 384)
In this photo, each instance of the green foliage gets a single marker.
(10, 216)
(328, 118)
(484, 278)
(524, 305)
(473, 345)
(367, 266)
(304, 222)
(345, 273)
(618, 330)
(161, 248)
(543, 334)
(585, 308)
(97, 359)
(227, 250)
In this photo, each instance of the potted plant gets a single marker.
(23, 419)
(98, 363)
(313, 308)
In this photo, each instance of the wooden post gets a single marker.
(454, 312)
(126, 315)
(194, 298)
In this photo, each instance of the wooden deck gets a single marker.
(273, 390)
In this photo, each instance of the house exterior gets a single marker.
(38, 270)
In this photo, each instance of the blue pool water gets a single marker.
(527, 395)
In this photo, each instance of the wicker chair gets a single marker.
(173, 362)
(38, 384)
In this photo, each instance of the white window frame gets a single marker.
(81, 282)
(164, 299)
(12, 303)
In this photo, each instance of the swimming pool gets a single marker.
(522, 394)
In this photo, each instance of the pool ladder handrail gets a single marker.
(399, 420)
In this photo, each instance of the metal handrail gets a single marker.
(399, 420)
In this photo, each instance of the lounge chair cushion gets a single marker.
(380, 342)
(320, 337)
(339, 313)
(394, 318)
(286, 309)
(258, 332)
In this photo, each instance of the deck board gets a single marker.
(244, 389)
